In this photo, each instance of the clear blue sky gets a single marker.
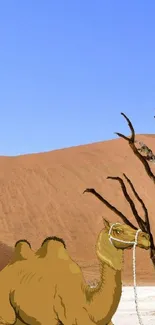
(68, 68)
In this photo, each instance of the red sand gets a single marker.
(41, 195)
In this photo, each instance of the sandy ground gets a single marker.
(126, 313)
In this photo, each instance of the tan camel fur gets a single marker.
(8, 276)
(48, 287)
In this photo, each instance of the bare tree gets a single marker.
(144, 225)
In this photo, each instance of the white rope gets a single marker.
(134, 279)
(134, 266)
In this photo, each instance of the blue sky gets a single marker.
(68, 68)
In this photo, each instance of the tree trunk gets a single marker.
(152, 256)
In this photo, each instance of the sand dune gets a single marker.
(41, 195)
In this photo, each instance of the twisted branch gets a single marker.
(144, 225)
(146, 216)
(131, 142)
(139, 220)
(110, 206)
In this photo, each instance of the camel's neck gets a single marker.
(104, 299)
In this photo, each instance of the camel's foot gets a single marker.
(23, 319)
(7, 314)
(19, 322)
(31, 322)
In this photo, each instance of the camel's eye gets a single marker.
(118, 231)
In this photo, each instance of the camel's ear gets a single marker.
(106, 223)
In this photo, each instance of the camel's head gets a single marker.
(127, 234)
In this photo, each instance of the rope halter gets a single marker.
(134, 264)
(120, 240)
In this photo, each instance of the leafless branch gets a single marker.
(147, 222)
(131, 142)
(110, 206)
(139, 220)
(146, 216)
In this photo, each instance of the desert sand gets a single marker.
(42, 195)
(126, 312)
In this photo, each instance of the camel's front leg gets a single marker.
(111, 323)
(7, 313)
(19, 322)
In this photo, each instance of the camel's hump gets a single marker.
(22, 241)
(54, 238)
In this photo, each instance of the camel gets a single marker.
(48, 287)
